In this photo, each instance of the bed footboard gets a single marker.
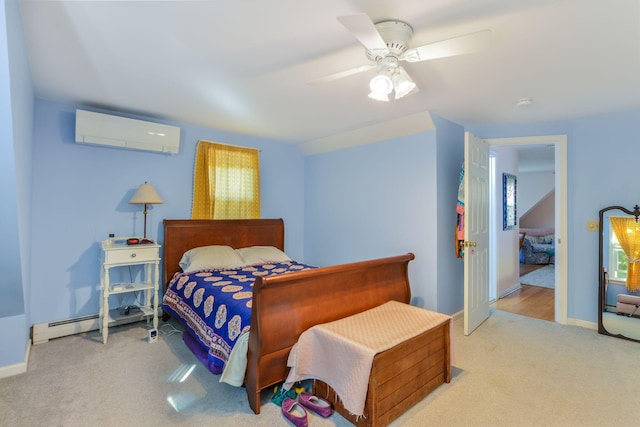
(286, 305)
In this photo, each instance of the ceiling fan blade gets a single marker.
(461, 45)
(363, 29)
(341, 74)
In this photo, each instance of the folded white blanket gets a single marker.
(341, 353)
(236, 367)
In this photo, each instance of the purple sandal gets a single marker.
(294, 412)
(316, 404)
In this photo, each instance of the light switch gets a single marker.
(593, 225)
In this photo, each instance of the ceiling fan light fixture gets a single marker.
(379, 96)
(402, 83)
(411, 55)
(381, 86)
(388, 42)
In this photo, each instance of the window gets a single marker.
(226, 182)
(618, 262)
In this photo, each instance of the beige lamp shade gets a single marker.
(146, 194)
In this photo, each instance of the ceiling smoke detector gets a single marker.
(523, 102)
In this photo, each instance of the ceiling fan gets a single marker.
(387, 43)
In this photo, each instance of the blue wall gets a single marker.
(390, 198)
(603, 163)
(450, 270)
(16, 118)
(374, 201)
(81, 194)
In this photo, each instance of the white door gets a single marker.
(476, 232)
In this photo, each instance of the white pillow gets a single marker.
(210, 257)
(262, 254)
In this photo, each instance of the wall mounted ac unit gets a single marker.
(112, 131)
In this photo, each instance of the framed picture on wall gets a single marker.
(509, 209)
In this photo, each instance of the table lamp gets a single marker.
(145, 195)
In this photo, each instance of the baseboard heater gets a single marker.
(43, 332)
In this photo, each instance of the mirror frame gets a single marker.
(602, 273)
(509, 201)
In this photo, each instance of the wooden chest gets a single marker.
(400, 377)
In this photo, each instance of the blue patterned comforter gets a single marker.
(215, 305)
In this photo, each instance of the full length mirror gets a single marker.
(619, 275)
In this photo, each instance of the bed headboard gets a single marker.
(180, 235)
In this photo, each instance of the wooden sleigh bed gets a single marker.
(286, 305)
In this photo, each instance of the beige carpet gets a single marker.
(513, 371)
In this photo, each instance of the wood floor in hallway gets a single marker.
(530, 301)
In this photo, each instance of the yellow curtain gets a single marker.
(226, 182)
(628, 233)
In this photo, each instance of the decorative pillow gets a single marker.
(262, 254)
(545, 240)
(548, 239)
(210, 257)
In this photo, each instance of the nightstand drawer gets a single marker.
(137, 255)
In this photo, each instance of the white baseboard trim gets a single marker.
(572, 321)
(43, 332)
(18, 368)
(510, 290)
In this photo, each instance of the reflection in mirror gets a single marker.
(619, 275)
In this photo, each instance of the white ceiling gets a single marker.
(244, 65)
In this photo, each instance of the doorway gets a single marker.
(559, 293)
(530, 301)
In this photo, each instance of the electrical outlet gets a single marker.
(593, 225)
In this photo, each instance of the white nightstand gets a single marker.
(116, 255)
